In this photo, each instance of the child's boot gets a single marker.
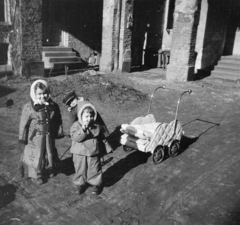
(21, 171)
(51, 172)
(37, 181)
(96, 190)
(80, 189)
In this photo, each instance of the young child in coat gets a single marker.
(71, 100)
(40, 124)
(85, 133)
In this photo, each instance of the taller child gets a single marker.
(40, 124)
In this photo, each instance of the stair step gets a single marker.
(226, 76)
(59, 54)
(221, 81)
(56, 49)
(226, 69)
(65, 59)
(229, 62)
(230, 58)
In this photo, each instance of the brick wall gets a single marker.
(26, 38)
(31, 30)
(4, 42)
(15, 37)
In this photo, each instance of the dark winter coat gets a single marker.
(39, 126)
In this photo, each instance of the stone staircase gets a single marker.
(227, 69)
(58, 58)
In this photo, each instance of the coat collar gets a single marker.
(38, 107)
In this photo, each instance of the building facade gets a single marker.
(123, 34)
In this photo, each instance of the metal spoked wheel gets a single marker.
(158, 155)
(127, 148)
(174, 148)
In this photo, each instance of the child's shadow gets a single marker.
(114, 138)
(114, 173)
(7, 194)
(65, 166)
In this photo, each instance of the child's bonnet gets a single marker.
(81, 105)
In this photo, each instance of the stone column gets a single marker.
(116, 35)
(31, 38)
(125, 55)
(107, 58)
(182, 58)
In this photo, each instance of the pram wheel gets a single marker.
(127, 148)
(174, 148)
(158, 155)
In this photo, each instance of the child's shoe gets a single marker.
(80, 189)
(51, 173)
(21, 171)
(37, 181)
(96, 190)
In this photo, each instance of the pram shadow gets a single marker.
(187, 141)
(115, 173)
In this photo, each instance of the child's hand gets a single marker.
(85, 126)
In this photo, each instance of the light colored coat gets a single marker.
(85, 143)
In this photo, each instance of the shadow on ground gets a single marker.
(114, 138)
(65, 166)
(7, 194)
(6, 90)
(187, 141)
(116, 172)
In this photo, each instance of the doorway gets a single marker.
(53, 22)
(148, 23)
(232, 40)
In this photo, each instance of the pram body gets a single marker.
(147, 135)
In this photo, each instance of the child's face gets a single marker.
(41, 95)
(87, 118)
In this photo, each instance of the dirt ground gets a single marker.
(199, 186)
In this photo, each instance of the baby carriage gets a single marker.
(147, 135)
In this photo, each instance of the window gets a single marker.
(5, 11)
(170, 14)
(2, 9)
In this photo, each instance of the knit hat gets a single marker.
(83, 105)
(33, 92)
(69, 97)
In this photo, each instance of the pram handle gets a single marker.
(180, 97)
(189, 91)
(152, 95)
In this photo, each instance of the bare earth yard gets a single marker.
(199, 186)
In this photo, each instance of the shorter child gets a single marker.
(71, 100)
(85, 133)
